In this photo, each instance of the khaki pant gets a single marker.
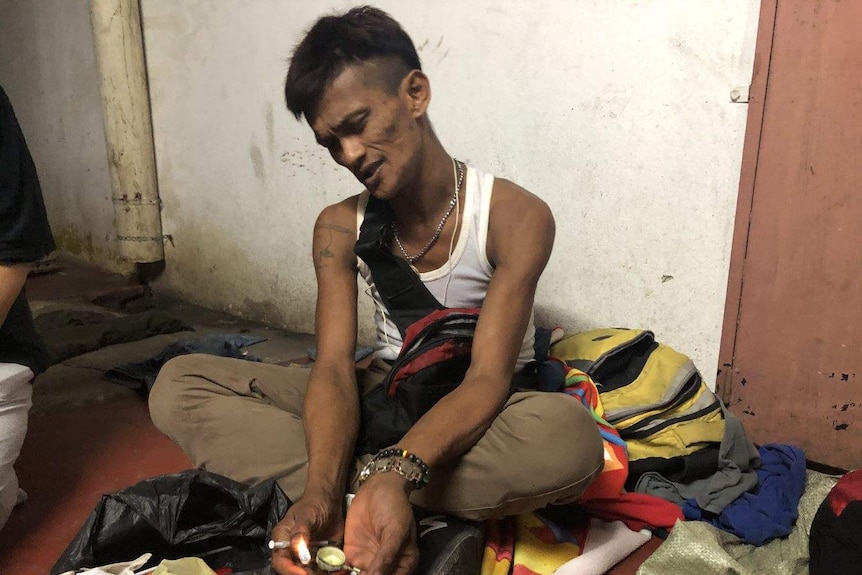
(244, 420)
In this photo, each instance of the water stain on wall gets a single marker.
(257, 161)
(264, 311)
(70, 239)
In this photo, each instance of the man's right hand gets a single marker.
(331, 406)
(312, 518)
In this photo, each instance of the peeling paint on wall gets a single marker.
(257, 161)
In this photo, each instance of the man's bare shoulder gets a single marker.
(340, 217)
(513, 207)
(510, 196)
(520, 222)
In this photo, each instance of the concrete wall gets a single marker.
(48, 69)
(616, 113)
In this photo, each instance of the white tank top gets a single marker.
(462, 282)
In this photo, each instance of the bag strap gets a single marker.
(405, 296)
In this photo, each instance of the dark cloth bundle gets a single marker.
(68, 333)
(835, 543)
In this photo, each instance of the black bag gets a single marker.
(188, 514)
(437, 340)
(835, 539)
(433, 361)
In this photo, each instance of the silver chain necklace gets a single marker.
(440, 226)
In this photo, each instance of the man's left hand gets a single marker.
(380, 534)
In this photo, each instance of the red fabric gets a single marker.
(847, 490)
(637, 510)
(417, 326)
(446, 350)
(611, 480)
(500, 539)
(604, 498)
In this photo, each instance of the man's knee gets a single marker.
(166, 396)
(543, 448)
(566, 438)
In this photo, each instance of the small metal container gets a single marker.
(331, 559)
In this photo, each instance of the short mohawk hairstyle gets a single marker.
(364, 33)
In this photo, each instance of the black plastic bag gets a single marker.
(187, 514)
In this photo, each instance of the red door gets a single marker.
(791, 357)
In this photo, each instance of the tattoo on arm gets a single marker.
(325, 253)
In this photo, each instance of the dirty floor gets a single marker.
(88, 437)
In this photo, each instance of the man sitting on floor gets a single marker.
(474, 241)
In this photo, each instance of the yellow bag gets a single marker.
(652, 394)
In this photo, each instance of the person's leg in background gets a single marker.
(16, 391)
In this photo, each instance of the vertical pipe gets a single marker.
(118, 39)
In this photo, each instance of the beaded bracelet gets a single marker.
(404, 454)
(406, 464)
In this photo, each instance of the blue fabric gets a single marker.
(551, 376)
(770, 509)
(141, 375)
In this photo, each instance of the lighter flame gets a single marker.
(302, 552)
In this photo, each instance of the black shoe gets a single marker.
(448, 545)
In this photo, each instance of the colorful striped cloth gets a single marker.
(536, 544)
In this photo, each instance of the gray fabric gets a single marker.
(68, 333)
(737, 461)
(698, 547)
